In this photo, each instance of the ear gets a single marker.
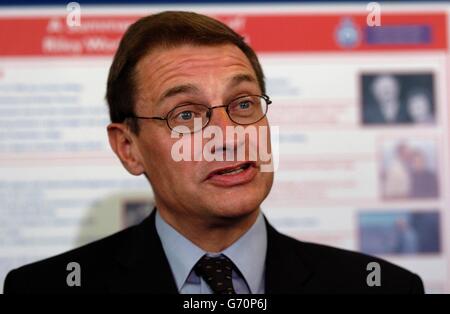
(123, 143)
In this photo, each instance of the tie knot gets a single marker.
(217, 272)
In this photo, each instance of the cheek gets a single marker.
(267, 179)
(157, 157)
(165, 161)
(264, 144)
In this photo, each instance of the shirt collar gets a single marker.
(248, 253)
(181, 252)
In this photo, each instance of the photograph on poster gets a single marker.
(399, 232)
(395, 99)
(408, 169)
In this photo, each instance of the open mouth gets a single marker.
(233, 170)
(234, 173)
(239, 174)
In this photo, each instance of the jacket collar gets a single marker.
(287, 268)
(143, 265)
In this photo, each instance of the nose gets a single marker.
(219, 117)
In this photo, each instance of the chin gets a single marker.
(237, 207)
(239, 201)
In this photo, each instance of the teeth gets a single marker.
(233, 172)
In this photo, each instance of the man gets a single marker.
(419, 107)
(423, 178)
(207, 234)
(387, 108)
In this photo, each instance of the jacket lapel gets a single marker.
(286, 270)
(143, 267)
(142, 264)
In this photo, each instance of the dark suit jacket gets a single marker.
(372, 114)
(133, 260)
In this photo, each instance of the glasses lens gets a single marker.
(247, 109)
(188, 118)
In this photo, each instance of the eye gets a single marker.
(241, 106)
(244, 105)
(185, 115)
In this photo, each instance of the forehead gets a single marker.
(385, 82)
(165, 66)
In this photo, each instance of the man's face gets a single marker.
(419, 107)
(386, 89)
(211, 75)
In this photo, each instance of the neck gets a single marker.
(210, 234)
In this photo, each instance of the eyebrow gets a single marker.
(180, 89)
(240, 78)
(193, 89)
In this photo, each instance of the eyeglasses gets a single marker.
(243, 110)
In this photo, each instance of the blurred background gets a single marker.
(360, 97)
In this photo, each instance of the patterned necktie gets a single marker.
(216, 271)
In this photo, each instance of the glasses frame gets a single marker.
(209, 112)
